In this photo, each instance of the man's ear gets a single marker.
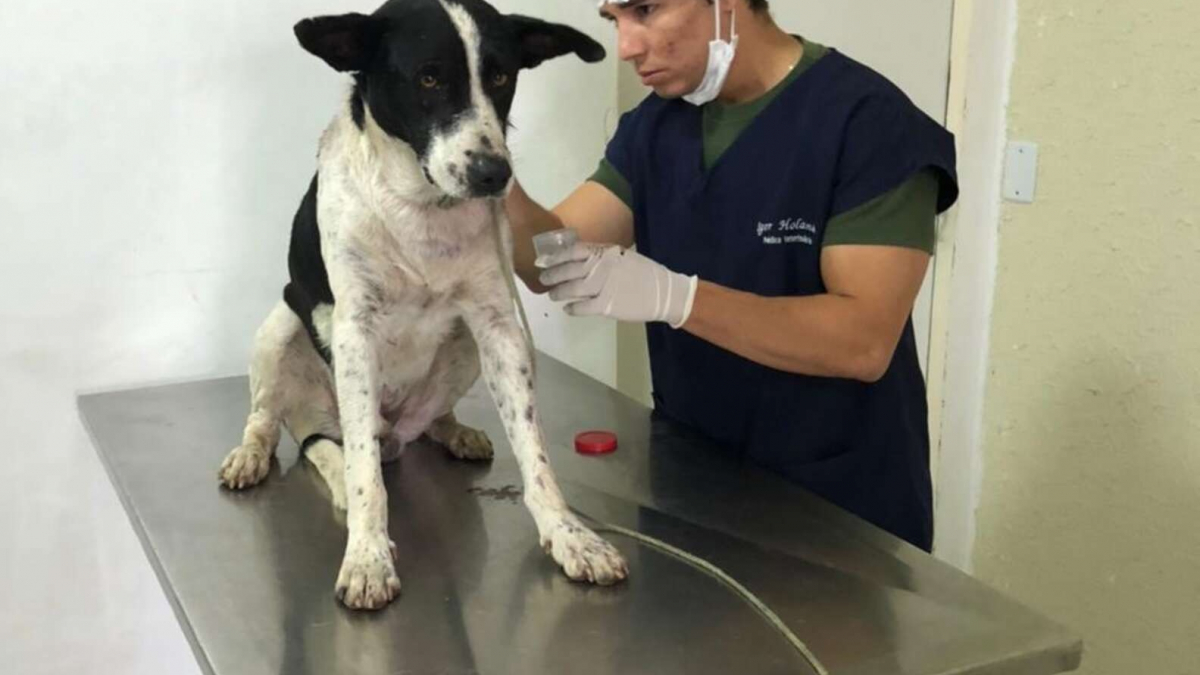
(540, 41)
(346, 42)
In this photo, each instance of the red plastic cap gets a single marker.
(595, 443)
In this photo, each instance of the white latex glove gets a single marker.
(618, 283)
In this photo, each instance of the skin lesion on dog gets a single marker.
(394, 265)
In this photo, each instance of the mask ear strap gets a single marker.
(732, 22)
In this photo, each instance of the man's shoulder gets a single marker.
(853, 81)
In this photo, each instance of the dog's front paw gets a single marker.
(467, 443)
(583, 555)
(368, 578)
(246, 466)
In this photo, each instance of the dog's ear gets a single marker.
(540, 41)
(347, 42)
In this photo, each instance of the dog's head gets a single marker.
(440, 76)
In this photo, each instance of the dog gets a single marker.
(401, 290)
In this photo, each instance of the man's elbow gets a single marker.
(871, 363)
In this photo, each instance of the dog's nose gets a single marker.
(488, 174)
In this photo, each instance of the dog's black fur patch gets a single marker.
(403, 46)
(411, 72)
(358, 107)
(309, 285)
(314, 439)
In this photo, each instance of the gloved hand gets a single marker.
(618, 283)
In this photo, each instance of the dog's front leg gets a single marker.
(508, 370)
(367, 579)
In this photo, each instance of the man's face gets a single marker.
(665, 40)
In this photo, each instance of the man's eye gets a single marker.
(644, 11)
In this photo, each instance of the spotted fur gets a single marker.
(401, 294)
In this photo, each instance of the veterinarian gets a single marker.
(782, 200)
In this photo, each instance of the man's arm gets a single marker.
(598, 215)
(850, 332)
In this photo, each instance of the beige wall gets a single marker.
(1091, 489)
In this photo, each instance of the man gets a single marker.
(782, 199)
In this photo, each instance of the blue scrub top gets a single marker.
(835, 138)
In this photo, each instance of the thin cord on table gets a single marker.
(719, 574)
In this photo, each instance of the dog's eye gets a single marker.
(429, 81)
(500, 79)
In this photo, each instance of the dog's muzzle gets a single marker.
(488, 175)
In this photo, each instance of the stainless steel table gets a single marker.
(250, 575)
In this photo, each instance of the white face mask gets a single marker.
(720, 60)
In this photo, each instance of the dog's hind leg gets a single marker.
(455, 370)
(325, 455)
(289, 385)
(460, 440)
(247, 464)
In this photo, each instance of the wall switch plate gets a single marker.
(1020, 172)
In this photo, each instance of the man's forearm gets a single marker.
(528, 219)
(820, 335)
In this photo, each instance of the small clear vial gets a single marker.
(554, 242)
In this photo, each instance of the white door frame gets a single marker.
(982, 50)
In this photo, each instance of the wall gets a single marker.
(153, 156)
(1091, 483)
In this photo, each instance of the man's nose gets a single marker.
(630, 45)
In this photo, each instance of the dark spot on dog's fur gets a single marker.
(529, 383)
(542, 458)
(357, 105)
(529, 414)
(360, 491)
(485, 142)
(524, 370)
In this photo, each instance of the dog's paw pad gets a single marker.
(368, 578)
(244, 467)
(584, 556)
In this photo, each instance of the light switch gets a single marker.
(1020, 172)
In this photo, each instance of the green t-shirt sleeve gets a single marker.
(608, 176)
(905, 217)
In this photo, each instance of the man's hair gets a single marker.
(757, 6)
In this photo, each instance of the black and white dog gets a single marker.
(400, 278)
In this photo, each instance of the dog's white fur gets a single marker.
(423, 295)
